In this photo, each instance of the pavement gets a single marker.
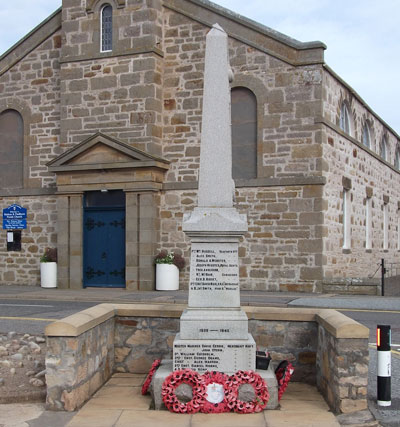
(119, 403)
(258, 298)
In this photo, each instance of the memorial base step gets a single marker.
(165, 369)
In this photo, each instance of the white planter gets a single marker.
(48, 274)
(167, 277)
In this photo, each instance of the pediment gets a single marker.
(104, 152)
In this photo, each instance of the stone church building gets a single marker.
(100, 120)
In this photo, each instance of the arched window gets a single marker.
(366, 136)
(345, 119)
(11, 149)
(244, 133)
(106, 28)
(383, 150)
(397, 159)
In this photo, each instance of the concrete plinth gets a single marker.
(165, 369)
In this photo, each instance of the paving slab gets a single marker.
(118, 404)
(13, 415)
(119, 397)
(131, 418)
(228, 420)
(95, 417)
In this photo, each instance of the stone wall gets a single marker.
(120, 92)
(342, 371)
(281, 250)
(288, 99)
(76, 367)
(23, 267)
(32, 87)
(139, 341)
(324, 346)
(350, 164)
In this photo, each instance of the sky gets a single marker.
(362, 38)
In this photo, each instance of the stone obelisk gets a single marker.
(213, 329)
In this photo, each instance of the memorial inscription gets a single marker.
(222, 356)
(214, 273)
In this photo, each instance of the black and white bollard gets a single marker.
(383, 343)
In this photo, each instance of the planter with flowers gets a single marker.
(168, 265)
(48, 268)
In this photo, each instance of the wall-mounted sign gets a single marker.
(14, 218)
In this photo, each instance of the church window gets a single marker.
(366, 137)
(368, 223)
(345, 119)
(346, 219)
(385, 226)
(106, 28)
(383, 151)
(11, 149)
(244, 133)
(398, 230)
(397, 159)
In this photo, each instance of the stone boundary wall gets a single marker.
(77, 366)
(325, 347)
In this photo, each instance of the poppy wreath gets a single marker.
(260, 389)
(283, 372)
(147, 382)
(173, 381)
(218, 378)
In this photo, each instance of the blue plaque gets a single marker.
(14, 218)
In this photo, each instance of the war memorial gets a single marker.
(211, 336)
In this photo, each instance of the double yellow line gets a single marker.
(373, 345)
(39, 319)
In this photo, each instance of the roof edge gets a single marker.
(51, 24)
(259, 27)
(360, 99)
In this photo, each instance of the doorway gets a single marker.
(104, 239)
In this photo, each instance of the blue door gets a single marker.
(104, 247)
